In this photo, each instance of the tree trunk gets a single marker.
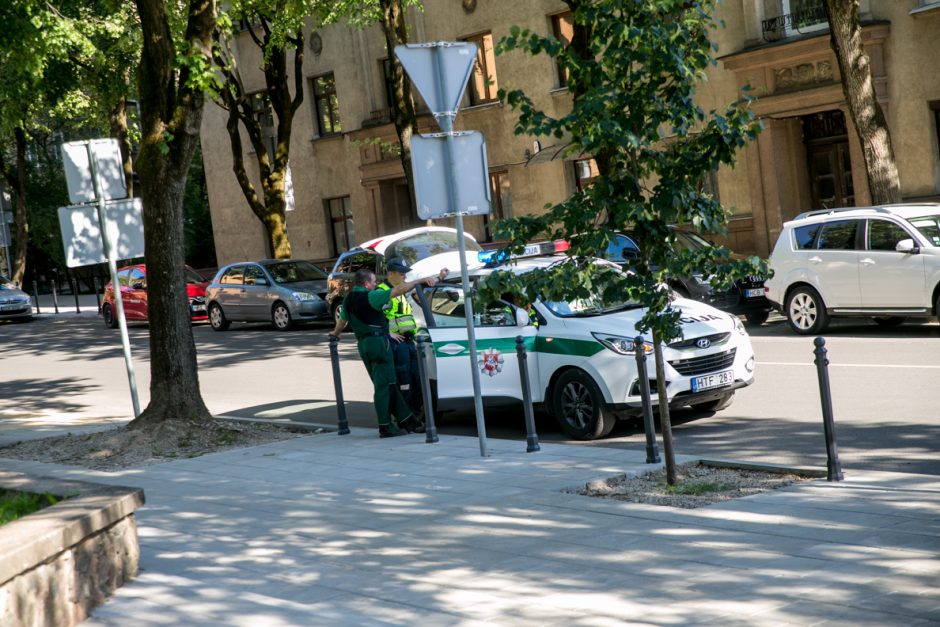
(864, 109)
(171, 113)
(117, 121)
(665, 422)
(18, 183)
(403, 108)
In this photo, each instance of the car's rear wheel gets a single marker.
(757, 318)
(579, 407)
(335, 310)
(280, 317)
(217, 318)
(716, 405)
(806, 311)
(890, 321)
(110, 320)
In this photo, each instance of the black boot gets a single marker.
(390, 431)
(412, 424)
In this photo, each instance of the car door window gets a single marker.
(622, 249)
(805, 236)
(123, 277)
(138, 280)
(884, 235)
(234, 276)
(838, 235)
(447, 308)
(254, 276)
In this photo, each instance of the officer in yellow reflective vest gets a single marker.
(402, 328)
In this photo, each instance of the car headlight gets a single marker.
(621, 345)
(302, 296)
(739, 326)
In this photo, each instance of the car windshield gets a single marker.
(689, 241)
(593, 305)
(424, 245)
(193, 277)
(295, 272)
(929, 226)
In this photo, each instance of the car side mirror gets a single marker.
(907, 246)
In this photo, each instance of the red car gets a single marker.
(133, 281)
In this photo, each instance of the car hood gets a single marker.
(697, 319)
(9, 293)
(431, 266)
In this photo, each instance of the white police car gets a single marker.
(582, 365)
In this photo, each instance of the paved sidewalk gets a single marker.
(354, 530)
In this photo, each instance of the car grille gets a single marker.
(713, 340)
(705, 364)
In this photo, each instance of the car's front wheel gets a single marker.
(579, 407)
(280, 317)
(757, 318)
(217, 318)
(110, 320)
(806, 311)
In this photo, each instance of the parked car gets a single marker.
(879, 262)
(414, 246)
(581, 361)
(744, 297)
(282, 292)
(133, 281)
(15, 304)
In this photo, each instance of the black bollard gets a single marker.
(531, 438)
(343, 423)
(36, 294)
(833, 466)
(55, 295)
(94, 283)
(430, 427)
(73, 283)
(652, 449)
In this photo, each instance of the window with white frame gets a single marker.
(789, 18)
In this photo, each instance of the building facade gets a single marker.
(349, 187)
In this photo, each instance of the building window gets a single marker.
(263, 114)
(389, 83)
(585, 171)
(339, 213)
(935, 114)
(787, 18)
(483, 86)
(563, 29)
(326, 105)
(501, 205)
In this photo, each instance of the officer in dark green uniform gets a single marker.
(363, 310)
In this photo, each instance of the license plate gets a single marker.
(10, 307)
(714, 380)
(199, 307)
(754, 293)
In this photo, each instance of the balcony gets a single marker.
(805, 16)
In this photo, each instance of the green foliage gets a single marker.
(15, 504)
(634, 111)
(361, 13)
(392, 148)
(197, 225)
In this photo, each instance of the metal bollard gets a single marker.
(430, 427)
(652, 450)
(94, 283)
(343, 423)
(73, 283)
(833, 466)
(55, 296)
(36, 294)
(531, 438)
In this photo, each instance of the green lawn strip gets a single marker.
(15, 504)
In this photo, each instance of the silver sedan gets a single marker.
(15, 304)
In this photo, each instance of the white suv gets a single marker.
(877, 262)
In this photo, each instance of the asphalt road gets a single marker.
(67, 372)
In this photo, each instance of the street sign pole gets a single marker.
(112, 268)
(446, 121)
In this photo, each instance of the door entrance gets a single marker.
(827, 155)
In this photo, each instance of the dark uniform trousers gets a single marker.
(406, 370)
(377, 357)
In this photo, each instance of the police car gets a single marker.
(581, 363)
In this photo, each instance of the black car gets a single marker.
(743, 298)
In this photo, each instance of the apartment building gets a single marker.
(347, 188)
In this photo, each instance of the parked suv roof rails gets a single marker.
(820, 212)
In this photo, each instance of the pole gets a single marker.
(94, 283)
(446, 122)
(643, 381)
(73, 284)
(342, 422)
(112, 268)
(36, 293)
(833, 466)
(531, 437)
(427, 398)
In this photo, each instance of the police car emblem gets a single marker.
(703, 342)
(490, 362)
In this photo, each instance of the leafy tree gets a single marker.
(275, 27)
(175, 70)
(633, 78)
(845, 34)
(390, 16)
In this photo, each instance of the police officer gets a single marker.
(363, 309)
(402, 328)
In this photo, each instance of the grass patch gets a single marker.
(15, 504)
(694, 489)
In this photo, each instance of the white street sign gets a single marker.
(441, 88)
(471, 188)
(81, 235)
(76, 158)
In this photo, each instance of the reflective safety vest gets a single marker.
(399, 313)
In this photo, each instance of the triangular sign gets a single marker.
(439, 70)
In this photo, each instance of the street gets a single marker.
(71, 369)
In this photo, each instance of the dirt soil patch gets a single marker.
(698, 485)
(120, 448)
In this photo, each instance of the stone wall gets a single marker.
(57, 564)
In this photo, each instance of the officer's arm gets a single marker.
(406, 286)
(340, 322)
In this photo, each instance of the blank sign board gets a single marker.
(81, 236)
(76, 157)
(471, 181)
